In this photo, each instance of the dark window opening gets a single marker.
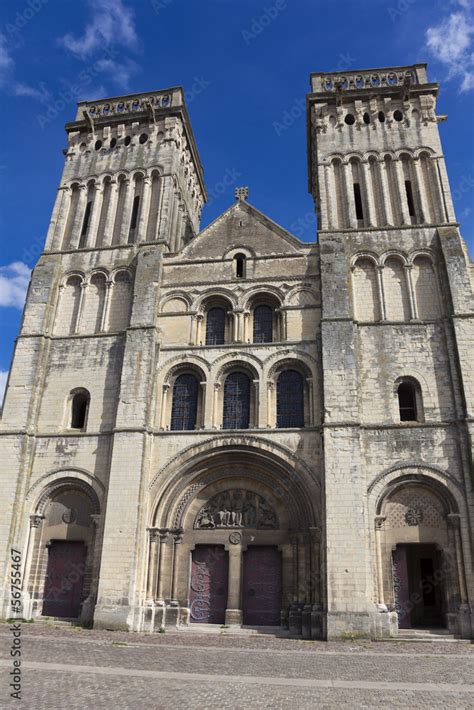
(79, 408)
(239, 266)
(113, 142)
(185, 401)
(290, 399)
(134, 218)
(398, 115)
(366, 118)
(215, 326)
(358, 201)
(236, 401)
(263, 324)
(349, 119)
(411, 203)
(407, 402)
(85, 223)
(127, 140)
(381, 117)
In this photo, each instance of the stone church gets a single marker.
(232, 426)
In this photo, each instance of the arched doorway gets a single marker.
(419, 552)
(233, 540)
(63, 560)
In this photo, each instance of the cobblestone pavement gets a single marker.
(74, 668)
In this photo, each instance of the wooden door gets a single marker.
(64, 579)
(261, 593)
(209, 581)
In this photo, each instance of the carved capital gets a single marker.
(380, 521)
(453, 520)
(35, 520)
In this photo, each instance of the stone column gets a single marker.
(164, 405)
(258, 414)
(105, 312)
(411, 291)
(215, 408)
(328, 215)
(311, 414)
(246, 335)
(233, 613)
(58, 210)
(91, 236)
(77, 325)
(371, 220)
(271, 419)
(421, 190)
(199, 321)
(163, 534)
(201, 422)
(177, 540)
(379, 521)
(401, 190)
(152, 564)
(79, 217)
(381, 292)
(349, 190)
(389, 217)
(442, 190)
(454, 522)
(127, 211)
(144, 210)
(111, 214)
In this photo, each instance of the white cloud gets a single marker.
(119, 72)
(451, 42)
(7, 79)
(14, 280)
(3, 384)
(6, 62)
(111, 23)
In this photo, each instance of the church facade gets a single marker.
(231, 426)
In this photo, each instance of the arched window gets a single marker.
(263, 324)
(239, 260)
(215, 326)
(237, 401)
(408, 395)
(290, 399)
(185, 401)
(79, 409)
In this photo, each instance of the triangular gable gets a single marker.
(257, 232)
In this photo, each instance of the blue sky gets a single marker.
(245, 66)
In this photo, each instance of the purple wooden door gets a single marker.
(401, 586)
(261, 600)
(208, 589)
(64, 579)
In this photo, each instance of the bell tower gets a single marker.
(375, 157)
(132, 175)
(394, 273)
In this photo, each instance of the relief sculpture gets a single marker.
(236, 509)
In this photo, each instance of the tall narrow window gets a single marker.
(239, 260)
(407, 402)
(237, 401)
(79, 409)
(358, 201)
(185, 401)
(215, 326)
(411, 203)
(134, 219)
(290, 399)
(263, 324)
(85, 224)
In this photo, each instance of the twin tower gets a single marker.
(231, 426)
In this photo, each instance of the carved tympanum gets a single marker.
(236, 509)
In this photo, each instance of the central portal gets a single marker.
(261, 593)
